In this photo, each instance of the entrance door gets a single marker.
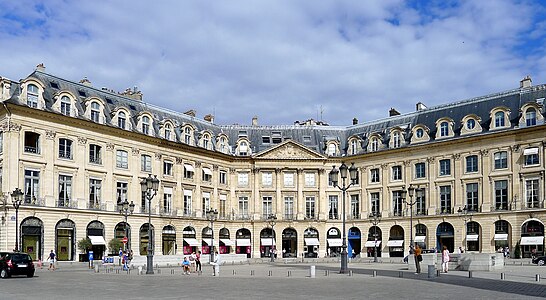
(445, 237)
(31, 245)
(65, 244)
(289, 243)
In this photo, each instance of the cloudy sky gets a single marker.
(278, 60)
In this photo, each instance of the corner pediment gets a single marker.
(289, 150)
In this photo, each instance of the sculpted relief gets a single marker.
(289, 151)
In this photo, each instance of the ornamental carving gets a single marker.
(109, 146)
(82, 140)
(407, 163)
(178, 160)
(232, 170)
(384, 166)
(515, 148)
(198, 164)
(158, 156)
(484, 152)
(430, 160)
(215, 167)
(50, 134)
(288, 151)
(135, 151)
(457, 156)
(10, 126)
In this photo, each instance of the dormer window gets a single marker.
(444, 129)
(168, 131)
(32, 96)
(222, 145)
(470, 124)
(146, 125)
(419, 133)
(374, 144)
(95, 112)
(187, 135)
(396, 139)
(122, 119)
(499, 119)
(65, 105)
(531, 116)
(354, 146)
(243, 148)
(206, 141)
(332, 149)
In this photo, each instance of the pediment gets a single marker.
(289, 150)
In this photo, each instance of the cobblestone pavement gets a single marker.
(75, 281)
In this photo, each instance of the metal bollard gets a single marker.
(400, 274)
(251, 272)
(312, 271)
(139, 270)
(430, 271)
(289, 274)
(437, 273)
(537, 277)
(172, 271)
(96, 268)
(326, 272)
(502, 276)
(158, 271)
(469, 274)
(234, 272)
(374, 273)
(117, 271)
(350, 272)
(270, 273)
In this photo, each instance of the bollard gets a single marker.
(312, 271)
(139, 270)
(96, 268)
(537, 277)
(270, 273)
(289, 274)
(350, 272)
(117, 271)
(502, 276)
(233, 272)
(158, 271)
(251, 272)
(172, 271)
(430, 271)
(374, 273)
(326, 272)
(437, 273)
(469, 274)
(400, 274)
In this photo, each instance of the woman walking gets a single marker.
(198, 262)
(445, 259)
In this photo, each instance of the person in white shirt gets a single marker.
(216, 264)
(445, 259)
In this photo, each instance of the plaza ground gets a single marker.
(276, 281)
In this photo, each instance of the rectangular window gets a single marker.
(121, 192)
(374, 175)
(243, 208)
(266, 139)
(531, 156)
(65, 148)
(167, 200)
(289, 179)
(206, 201)
(121, 159)
(310, 207)
(501, 160)
(531, 193)
(309, 179)
(420, 171)
(471, 164)
(206, 174)
(289, 208)
(188, 203)
(1, 142)
(445, 167)
(355, 206)
(222, 177)
(32, 186)
(65, 191)
(375, 207)
(94, 193)
(397, 203)
(242, 179)
(95, 154)
(222, 210)
(397, 173)
(267, 207)
(145, 163)
(188, 171)
(445, 199)
(472, 197)
(333, 207)
(420, 202)
(32, 142)
(167, 168)
(267, 179)
(501, 195)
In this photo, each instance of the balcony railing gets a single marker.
(144, 210)
(96, 206)
(353, 217)
(242, 217)
(289, 217)
(32, 149)
(445, 211)
(189, 214)
(534, 205)
(65, 154)
(501, 207)
(34, 201)
(68, 203)
(95, 159)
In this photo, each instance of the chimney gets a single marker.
(525, 82)
(355, 121)
(85, 81)
(255, 121)
(209, 118)
(132, 93)
(190, 113)
(420, 106)
(40, 67)
(393, 112)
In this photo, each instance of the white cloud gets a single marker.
(280, 60)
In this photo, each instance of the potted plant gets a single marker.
(114, 246)
(84, 245)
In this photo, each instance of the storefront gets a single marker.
(421, 236)
(190, 242)
(532, 238)
(65, 240)
(32, 237)
(311, 242)
(373, 244)
(243, 241)
(289, 242)
(445, 236)
(120, 233)
(334, 242)
(95, 232)
(354, 238)
(473, 234)
(267, 242)
(168, 240)
(225, 243)
(144, 238)
(502, 234)
(396, 241)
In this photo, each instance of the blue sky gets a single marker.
(278, 60)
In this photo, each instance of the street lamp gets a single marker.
(333, 176)
(126, 209)
(272, 220)
(212, 215)
(150, 185)
(465, 214)
(410, 192)
(375, 218)
(17, 199)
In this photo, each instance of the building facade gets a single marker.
(76, 152)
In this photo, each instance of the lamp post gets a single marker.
(410, 192)
(333, 176)
(272, 220)
(465, 214)
(17, 199)
(375, 218)
(212, 215)
(126, 209)
(150, 185)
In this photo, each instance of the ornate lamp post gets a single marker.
(150, 185)
(272, 220)
(17, 199)
(333, 176)
(375, 218)
(212, 215)
(410, 192)
(126, 209)
(466, 215)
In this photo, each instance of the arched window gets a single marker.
(32, 96)
(187, 135)
(374, 145)
(65, 105)
(420, 132)
(122, 119)
(222, 145)
(145, 125)
(499, 119)
(444, 129)
(470, 124)
(95, 111)
(531, 116)
(168, 131)
(332, 149)
(354, 148)
(396, 140)
(206, 141)
(243, 148)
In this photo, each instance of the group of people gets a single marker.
(417, 251)
(194, 261)
(505, 251)
(125, 257)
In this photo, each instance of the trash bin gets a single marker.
(431, 270)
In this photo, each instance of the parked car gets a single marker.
(15, 263)
(539, 260)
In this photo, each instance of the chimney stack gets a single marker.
(525, 82)
(420, 106)
(85, 81)
(40, 67)
(209, 118)
(255, 121)
(393, 112)
(190, 113)
(355, 121)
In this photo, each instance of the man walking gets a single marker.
(418, 259)
(51, 261)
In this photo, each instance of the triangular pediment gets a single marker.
(289, 150)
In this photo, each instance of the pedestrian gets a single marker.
(216, 264)
(445, 259)
(193, 264)
(125, 261)
(120, 253)
(51, 261)
(460, 250)
(130, 255)
(186, 266)
(198, 262)
(507, 252)
(418, 258)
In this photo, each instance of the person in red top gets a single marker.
(198, 262)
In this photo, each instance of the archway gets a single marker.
(355, 244)
(311, 242)
(473, 236)
(225, 242)
(334, 242)
(502, 236)
(267, 242)
(189, 240)
(206, 236)
(421, 236)
(289, 242)
(396, 241)
(144, 238)
(243, 242)
(445, 236)
(168, 240)
(532, 238)
(32, 237)
(95, 232)
(65, 235)
(373, 244)
(122, 230)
